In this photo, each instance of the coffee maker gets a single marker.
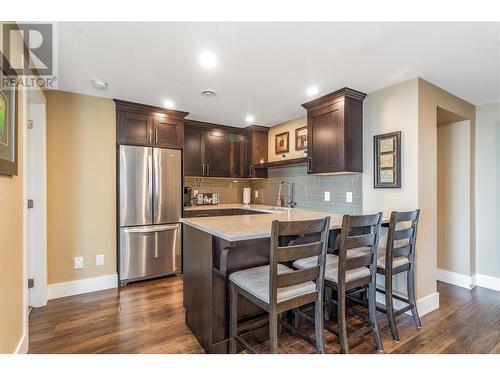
(188, 195)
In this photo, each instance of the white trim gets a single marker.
(458, 279)
(486, 281)
(72, 288)
(22, 346)
(424, 305)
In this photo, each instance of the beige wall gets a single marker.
(394, 108)
(453, 216)
(290, 127)
(487, 189)
(430, 97)
(81, 185)
(12, 283)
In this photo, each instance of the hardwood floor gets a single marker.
(148, 317)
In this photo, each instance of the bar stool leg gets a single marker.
(411, 297)
(389, 306)
(273, 332)
(372, 308)
(341, 319)
(328, 303)
(233, 319)
(318, 326)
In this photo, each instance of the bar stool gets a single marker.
(397, 255)
(352, 270)
(277, 288)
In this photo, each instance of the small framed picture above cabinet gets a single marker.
(282, 143)
(387, 160)
(301, 138)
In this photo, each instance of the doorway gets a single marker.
(36, 191)
(454, 199)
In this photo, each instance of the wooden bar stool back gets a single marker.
(277, 288)
(399, 256)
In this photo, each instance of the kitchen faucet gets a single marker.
(290, 202)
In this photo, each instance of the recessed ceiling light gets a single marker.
(250, 119)
(313, 90)
(208, 59)
(208, 93)
(99, 84)
(169, 104)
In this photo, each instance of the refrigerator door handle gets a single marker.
(150, 229)
(150, 175)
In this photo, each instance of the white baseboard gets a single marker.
(486, 281)
(458, 279)
(424, 305)
(72, 288)
(22, 346)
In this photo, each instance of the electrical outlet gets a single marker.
(78, 263)
(99, 260)
(256, 193)
(348, 197)
(327, 196)
(195, 193)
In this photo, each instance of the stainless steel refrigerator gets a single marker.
(150, 201)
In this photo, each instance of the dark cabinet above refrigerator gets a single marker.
(144, 125)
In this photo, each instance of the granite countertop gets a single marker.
(247, 227)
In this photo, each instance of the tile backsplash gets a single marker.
(310, 189)
(230, 190)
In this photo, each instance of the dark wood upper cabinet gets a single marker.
(237, 155)
(145, 125)
(169, 132)
(194, 151)
(212, 150)
(257, 146)
(135, 128)
(217, 154)
(335, 132)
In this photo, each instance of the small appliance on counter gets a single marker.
(247, 193)
(188, 193)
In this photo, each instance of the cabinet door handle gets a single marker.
(156, 136)
(150, 134)
(250, 169)
(208, 169)
(203, 169)
(309, 164)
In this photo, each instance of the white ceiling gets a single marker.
(264, 69)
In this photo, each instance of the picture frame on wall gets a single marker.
(8, 123)
(301, 138)
(387, 160)
(282, 143)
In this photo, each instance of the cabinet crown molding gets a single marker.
(122, 105)
(339, 94)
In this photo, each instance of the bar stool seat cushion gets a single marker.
(332, 263)
(396, 262)
(313, 261)
(256, 282)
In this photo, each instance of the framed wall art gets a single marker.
(301, 138)
(8, 122)
(282, 141)
(387, 160)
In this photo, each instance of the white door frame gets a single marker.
(36, 188)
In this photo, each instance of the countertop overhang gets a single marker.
(249, 227)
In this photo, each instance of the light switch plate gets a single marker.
(99, 260)
(78, 263)
(327, 196)
(256, 193)
(348, 197)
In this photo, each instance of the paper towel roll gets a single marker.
(247, 193)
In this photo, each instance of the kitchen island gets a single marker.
(213, 248)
